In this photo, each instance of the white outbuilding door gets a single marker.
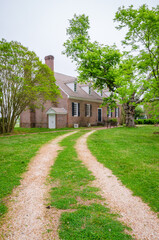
(52, 121)
(52, 113)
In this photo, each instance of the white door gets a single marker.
(52, 123)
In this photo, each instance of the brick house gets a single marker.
(80, 105)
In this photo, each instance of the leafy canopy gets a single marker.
(131, 86)
(142, 38)
(96, 63)
(24, 80)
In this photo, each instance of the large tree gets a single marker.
(131, 88)
(142, 39)
(24, 81)
(96, 63)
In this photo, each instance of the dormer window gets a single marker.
(89, 90)
(99, 92)
(75, 87)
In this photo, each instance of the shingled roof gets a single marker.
(62, 80)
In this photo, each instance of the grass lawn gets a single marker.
(133, 156)
(19, 130)
(15, 154)
(90, 219)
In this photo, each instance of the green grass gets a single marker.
(15, 154)
(133, 156)
(19, 130)
(73, 180)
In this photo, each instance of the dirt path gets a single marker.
(26, 218)
(133, 212)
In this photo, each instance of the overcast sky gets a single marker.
(41, 25)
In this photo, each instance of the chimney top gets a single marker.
(49, 61)
(49, 57)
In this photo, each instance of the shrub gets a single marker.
(111, 121)
(147, 121)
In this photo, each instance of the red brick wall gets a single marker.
(61, 120)
(41, 118)
(25, 119)
(82, 120)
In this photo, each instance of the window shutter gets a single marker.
(72, 108)
(91, 110)
(115, 112)
(78, 109)
(118, 112)
(85, 110)
(111, 113)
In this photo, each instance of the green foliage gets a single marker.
(16, 152)
(131, 85)
(139, 112)
(96, 63)
(147, 121)
(24, 81)
(143, 38)
(152, 109)
(111, 122)
(73, 190)
(132, 155)
(138, 76)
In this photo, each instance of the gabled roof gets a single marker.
(62, 81)
(54, 110)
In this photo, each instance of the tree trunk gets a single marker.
(129, 114)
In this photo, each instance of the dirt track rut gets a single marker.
(26, 218)
(133, 212)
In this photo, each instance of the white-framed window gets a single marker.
(75, 109)
(117, 112)
(88, 110)
(75, 87)
(109, 112)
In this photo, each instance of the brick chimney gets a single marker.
(49, 60)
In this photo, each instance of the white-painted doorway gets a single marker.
(52, 121)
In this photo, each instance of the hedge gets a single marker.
(147, 121)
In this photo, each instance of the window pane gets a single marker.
(88, 110)
(75, 87)
(75, 109)
(109, 113)
(116, 112)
